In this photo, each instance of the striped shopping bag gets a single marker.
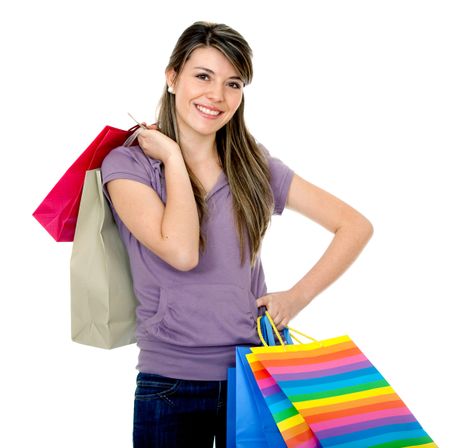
(338, 393)
(293, 428)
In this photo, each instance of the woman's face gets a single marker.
(208, 91)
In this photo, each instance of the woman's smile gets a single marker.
(208, 112)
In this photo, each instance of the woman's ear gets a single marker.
(170, 77)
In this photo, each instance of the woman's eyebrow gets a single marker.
(210, 71)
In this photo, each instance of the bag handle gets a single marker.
(258, 324)
(269, 335)
(135, 130)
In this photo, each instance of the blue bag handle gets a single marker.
(267, 331)
(269, 335)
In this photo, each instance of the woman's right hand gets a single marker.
(157, 145)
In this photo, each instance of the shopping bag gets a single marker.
(343, 398)
(102, 298)
(58, 211)
(231, 408)
(249, 421)
(291, 428)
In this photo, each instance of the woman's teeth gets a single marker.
(208, 111)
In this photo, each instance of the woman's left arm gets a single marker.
(352, 232)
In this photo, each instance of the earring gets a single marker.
(170, 89)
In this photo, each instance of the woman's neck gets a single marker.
(198, 149)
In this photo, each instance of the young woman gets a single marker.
(192, 202)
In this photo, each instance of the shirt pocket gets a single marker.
(205, 315)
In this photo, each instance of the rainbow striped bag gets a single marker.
(339, 398)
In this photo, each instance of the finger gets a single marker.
(280, 326)
(262, 301)
(285, 322)
(276, 319)
(153, 126)
(280, 322)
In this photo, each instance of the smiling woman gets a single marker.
(192, 203)
(206, 96)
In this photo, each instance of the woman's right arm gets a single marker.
(171, 231)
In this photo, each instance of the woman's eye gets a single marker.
(205, 77)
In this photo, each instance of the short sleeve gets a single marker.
(280, 180)
(131, 163)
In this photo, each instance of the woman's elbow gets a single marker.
(363, 227)
(181, 260)
(370, 229)
(186, 262)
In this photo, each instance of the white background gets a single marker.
(353, 95)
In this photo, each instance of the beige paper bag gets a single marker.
(102, 298)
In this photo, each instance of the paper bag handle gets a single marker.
(258, 324)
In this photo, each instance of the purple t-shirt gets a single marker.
(188, 323)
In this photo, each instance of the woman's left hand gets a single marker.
(281, 306)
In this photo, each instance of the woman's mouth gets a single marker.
(208, 113)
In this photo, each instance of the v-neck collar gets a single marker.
(220, 182)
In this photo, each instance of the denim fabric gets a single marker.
(174, 413)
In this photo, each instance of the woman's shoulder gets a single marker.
(277, 168)
(280, 178)
(130, 162)
(130, 155)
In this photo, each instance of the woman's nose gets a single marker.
(215, 92)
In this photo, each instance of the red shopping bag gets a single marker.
(58, 212)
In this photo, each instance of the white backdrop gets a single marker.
(353, 95)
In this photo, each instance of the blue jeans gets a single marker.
(174, 413)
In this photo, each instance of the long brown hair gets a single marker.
(243, 161)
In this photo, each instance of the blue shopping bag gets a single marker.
(250, 423)
(231, 407)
